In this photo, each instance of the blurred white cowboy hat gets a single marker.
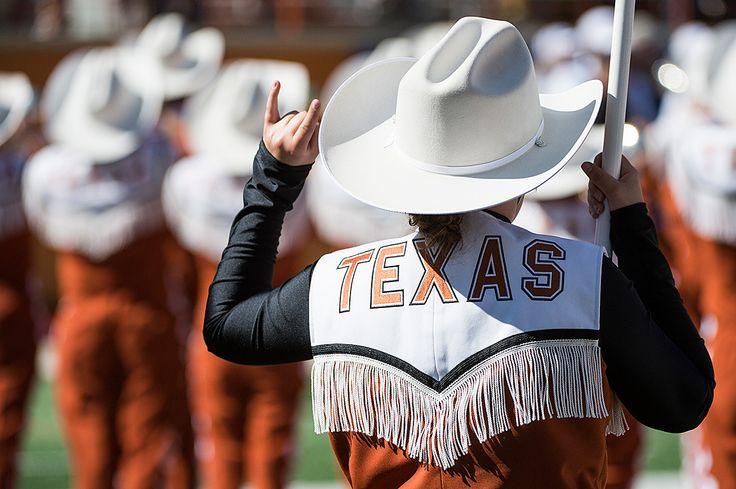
(90, 104)
(461, 128)
(594, 30)
(571, 180)
(16, 99)
(553, 43)
(187, 61)
(688, 52)
(225, 120)
(722, 99)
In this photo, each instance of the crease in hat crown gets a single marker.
(481, 77)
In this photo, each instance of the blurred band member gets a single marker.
(93, 196)
(17, 332)
(186, 61)
(703, 181)
(594, 31)
(684, 106)
(245, 417)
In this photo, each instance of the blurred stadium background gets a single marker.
(36, 34)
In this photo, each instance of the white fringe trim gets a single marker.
(98, 235)
(546, 379)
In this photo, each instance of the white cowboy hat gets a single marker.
(16, 99)
(461, 128)
(187, 61)
(225, 120)
(571, 180)
(89, 104)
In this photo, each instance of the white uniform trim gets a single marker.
(703, 179)
(437, 428)
(90, 209)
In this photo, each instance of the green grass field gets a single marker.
(44, 461)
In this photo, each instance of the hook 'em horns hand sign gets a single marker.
(291, 139)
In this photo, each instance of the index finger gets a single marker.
(272, 105)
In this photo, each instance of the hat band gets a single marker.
(477, 167)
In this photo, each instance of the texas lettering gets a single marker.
(544, 279)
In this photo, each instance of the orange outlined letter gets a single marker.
(383, 274)
(351, 264)
(434, 274)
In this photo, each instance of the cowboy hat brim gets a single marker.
(356, 146)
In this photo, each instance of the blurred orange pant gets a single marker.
(245, 416)
(718, 269)
(17, 352)
(122, 394)
(679, 245)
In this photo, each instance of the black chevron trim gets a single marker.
(462, 367)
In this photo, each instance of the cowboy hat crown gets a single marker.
(462, 128)
(481, 68)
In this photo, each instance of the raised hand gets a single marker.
(602, 186)
(291, 139)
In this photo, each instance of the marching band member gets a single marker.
(683, 106)
(93, 195)
(17, 326)
(245, 416)
(471, 351)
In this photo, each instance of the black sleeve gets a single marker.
(655, 360)
(247, 321)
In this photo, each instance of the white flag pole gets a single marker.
(618, 87)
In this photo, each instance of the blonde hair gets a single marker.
(439, 230)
